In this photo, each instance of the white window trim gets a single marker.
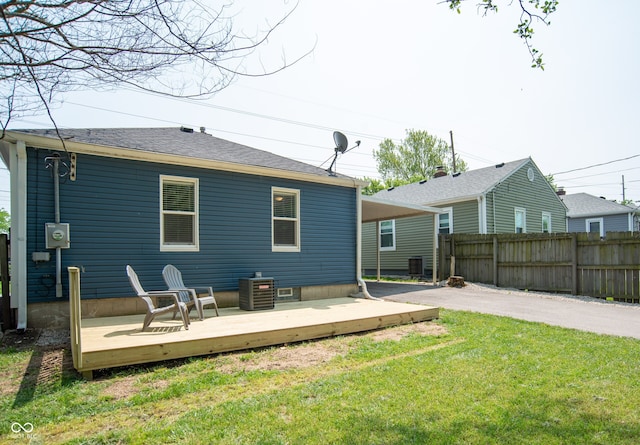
(449, 211)
(278, 248)
(548, 215)
(524, 219)
(599, 220)
(195, 247)
(392, 247)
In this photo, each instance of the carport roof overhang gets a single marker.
(376, 209)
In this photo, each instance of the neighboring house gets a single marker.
(217, 210)
(512, 197)
(588, 213)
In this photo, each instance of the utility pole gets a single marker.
(624, 198)
(453, 152)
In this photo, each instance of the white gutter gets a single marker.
(18, 169)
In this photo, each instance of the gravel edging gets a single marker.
(582, 298)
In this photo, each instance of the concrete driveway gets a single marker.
(583, 313)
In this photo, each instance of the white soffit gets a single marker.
(376, 209)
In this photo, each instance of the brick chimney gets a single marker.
(439, 172)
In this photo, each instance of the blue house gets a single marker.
(100, 199)
(588, 213)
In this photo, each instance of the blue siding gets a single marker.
(612, 223)
(113, 212)
(576, 224)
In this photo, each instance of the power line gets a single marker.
(298, 144)
(595, 165)
(600, 174)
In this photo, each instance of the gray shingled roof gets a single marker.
(180, 143)
(581, 205)
(469, 184)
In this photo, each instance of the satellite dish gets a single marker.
(341, 147)
(341, 141)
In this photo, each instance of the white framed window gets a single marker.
(285, 220)
(595, 225)
(546, 222)
(445, 221)
(179, 227)
(521, 220)
(388, 235)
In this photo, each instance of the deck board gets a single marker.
(119, 341)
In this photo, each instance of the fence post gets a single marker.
(574, 264)
(7, 315)
(441, 261)
(452, 250)
(495, 260)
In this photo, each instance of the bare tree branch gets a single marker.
(48, 47)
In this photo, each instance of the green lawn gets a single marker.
(482, 380)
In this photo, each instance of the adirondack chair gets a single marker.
(189, 295)
(152, 310)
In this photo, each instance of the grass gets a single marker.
(487, 380)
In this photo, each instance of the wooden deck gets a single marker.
(119, 341)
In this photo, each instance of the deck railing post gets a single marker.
(75, 319)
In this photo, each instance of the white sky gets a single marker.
(381, 67)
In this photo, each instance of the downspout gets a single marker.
(378, 251)
(18, 166)
(363, 286)
(434, 253)
(493, 203)
(482, 213)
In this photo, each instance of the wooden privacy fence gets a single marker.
(577, 263)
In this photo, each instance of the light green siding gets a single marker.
(414, 236)
(536, 197)
(465, 217)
